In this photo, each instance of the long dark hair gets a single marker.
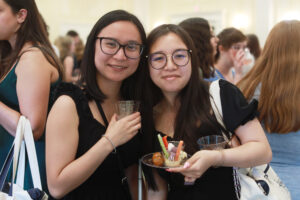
(199, 30)
(195, 108)
(194, 97)
(88, 68)
(33, 29)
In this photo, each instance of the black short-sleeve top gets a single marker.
(215, 183)
(105, 182)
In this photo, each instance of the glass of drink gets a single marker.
(212, 142)
(126, 107)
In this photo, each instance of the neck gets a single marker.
(12, 41)
(111, 89)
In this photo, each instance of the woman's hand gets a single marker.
(198, 164)
(122, 130)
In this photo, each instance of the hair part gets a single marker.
(278, 72)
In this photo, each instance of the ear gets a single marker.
(21, 15)
(221, 48)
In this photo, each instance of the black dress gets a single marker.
(215, 183)
(105, 182)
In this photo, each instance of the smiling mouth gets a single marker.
(118, 67)
(170, 77)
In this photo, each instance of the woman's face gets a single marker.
(8, 22)
(171, 78)
(213, 41)
(116, 67)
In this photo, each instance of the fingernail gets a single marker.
(189, 183)
(186, 165)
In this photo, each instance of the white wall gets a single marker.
(251, 16)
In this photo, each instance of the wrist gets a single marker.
(221, 157)
(110, 142)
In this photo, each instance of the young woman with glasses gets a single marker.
(230, 57)
(179, 107)
(86, 144)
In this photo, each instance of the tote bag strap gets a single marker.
(6, 166)
(215, 101)
(31, 152)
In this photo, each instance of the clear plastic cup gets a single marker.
(212, 142)
(126, 107)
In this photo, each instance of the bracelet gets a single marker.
(115, 150)
(222, 157)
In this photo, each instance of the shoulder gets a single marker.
(70, 90)
(34, 61)
(236, 110)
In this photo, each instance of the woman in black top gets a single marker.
(86, 146)
(182, 111)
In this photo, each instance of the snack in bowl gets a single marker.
(172, 151)
(157, 159)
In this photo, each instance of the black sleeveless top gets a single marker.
(215, 183)
(105, 182)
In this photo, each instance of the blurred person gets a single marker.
(179, 108)
(252, 52)
(86, 144)
(64, 44)
(29, 72)
(274, 81)
(230, 57)
(205, 42)
(77, 49)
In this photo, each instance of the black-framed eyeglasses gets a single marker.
(180, 58)
(111, 46)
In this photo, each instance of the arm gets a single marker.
(162, 192)
(68, 65)
(64, 171)
(254, 150)
(34, 76)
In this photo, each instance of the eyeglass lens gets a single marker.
(111, 47)
(179, 58)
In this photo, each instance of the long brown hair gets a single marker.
(34, 30)
(278, 72)
(199, 30)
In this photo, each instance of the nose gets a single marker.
(120, 55)
(170, 65)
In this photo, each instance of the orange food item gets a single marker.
(157, 159)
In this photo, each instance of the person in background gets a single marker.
(85, 143)
(253, 45)
(205, 42)
(274, 81)
(252, 52)
(180, 109)
(77, 49)
(64, 44)
(230, 57)
(29, 71)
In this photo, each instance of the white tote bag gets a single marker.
(256, 183)
(24, 137)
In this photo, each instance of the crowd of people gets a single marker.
(86, 152)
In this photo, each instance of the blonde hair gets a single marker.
(278, 72)
(63, 43)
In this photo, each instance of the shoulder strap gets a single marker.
(102, 113)
(215, 101)
(124, 180)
